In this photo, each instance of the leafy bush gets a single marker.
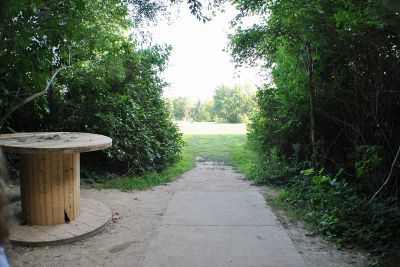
(110, 87)
(336, 211)
(132, 112)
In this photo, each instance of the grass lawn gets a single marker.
(223, 143)
(215, 147)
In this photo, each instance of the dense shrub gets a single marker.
(110, 87)
(335, 69)
(336, 211)
(133, 114)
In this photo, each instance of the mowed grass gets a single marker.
(215, 147)
(222, 143)
(225, 149)
(211, 128)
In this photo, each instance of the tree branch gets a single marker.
(30, 98)
(388, 177)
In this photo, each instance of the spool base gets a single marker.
(94, 217)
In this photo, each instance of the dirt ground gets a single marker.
(136, 220)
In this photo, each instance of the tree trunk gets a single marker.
(50, 101)
(311, 89)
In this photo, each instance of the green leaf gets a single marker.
(308, 172)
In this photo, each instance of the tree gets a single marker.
(207, 111)
(182, 108)
(195, 111)
(232, 104)
(111, 86)
(326, 50)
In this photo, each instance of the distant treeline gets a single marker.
(229, 104)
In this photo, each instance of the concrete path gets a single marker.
(210, 217)
(217, 219)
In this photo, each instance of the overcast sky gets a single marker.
(197, 63)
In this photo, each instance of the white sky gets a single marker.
(197, 63)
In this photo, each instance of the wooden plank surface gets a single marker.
(71, 185)
(39, 171)
(53, 142)
(77, 186)
(50, 188)
(24, 184)
(87, 224)
(68, 186)
(57, 203)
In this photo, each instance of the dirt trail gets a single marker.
(208, 217)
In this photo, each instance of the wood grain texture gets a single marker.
(95, 217)
(56, 174)
(53, 142)
(24, 185)
(71, 182)
(50, 188)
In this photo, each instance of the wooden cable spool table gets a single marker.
(50, 172)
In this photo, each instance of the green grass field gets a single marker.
(215, 147)
(222, 143)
